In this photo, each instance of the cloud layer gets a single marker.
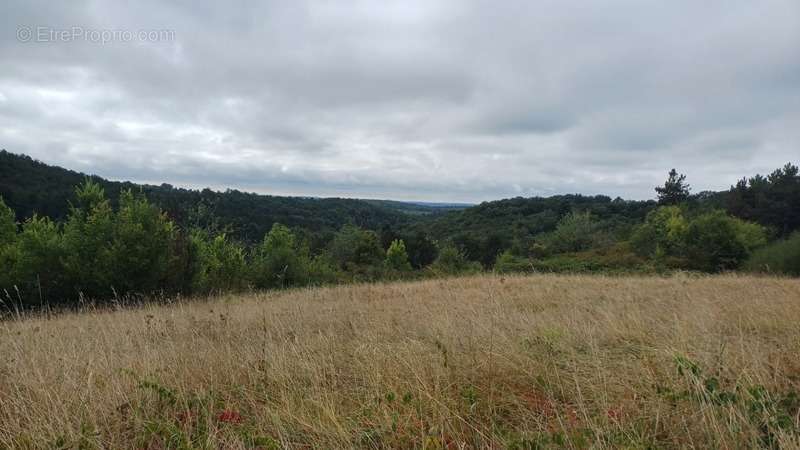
(451, 100)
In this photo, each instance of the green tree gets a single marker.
(220, 264)
(352, 247)
(421, 249)
(8, 250)
(279, 261)
(397, 257)
(452, 261)
(713, 244)
(88, 235)
(782, 257)
(37, 270)
(675, 189)
(8, 225)
(575, 231)
(773, 200)
(662, 233)
(143, 239)
(508, 262)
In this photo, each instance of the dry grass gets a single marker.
(520, 362)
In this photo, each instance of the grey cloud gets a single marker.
(449, 100)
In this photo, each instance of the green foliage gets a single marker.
(422, 251)
(102, 246)
(675, 190)
(662, 233)
(30, 186)
(714, 242)
(710, 242)
(781, 257)
(36, 267)
(8, 225)
(220, 266)
(396, 256)
(771, 412)
(89, 233)
(773, 200)
(353, 247)
(452, 261)
(141, 244)
(575, 231)
(507, 262)
(279, 261)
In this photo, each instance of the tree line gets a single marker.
(104, 252)
(108, 249)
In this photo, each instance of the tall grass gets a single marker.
(478, 362)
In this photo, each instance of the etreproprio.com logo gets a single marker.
(91, 35)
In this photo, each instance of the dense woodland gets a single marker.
(68, 238)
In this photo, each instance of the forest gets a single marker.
(67, 238)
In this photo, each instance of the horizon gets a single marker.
(222, 189)
(413, 101)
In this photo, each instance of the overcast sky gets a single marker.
(415, 100)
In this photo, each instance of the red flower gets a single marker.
(229, 416)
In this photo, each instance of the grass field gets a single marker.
(480, 362)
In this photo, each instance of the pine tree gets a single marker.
(675, 189)
(397, 257)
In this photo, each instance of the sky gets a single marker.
(460, 101)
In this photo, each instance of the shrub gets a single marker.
(397, 257)
(143, 237)
(279, 261)
(8, 225)
(88, 237)
(781, 257)
(36, 268)
(221, 264)
(452, 261)
(575, 231)
(662, 233)
(507, 262)
(713, 243)
(352, 247)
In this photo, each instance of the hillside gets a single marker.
(29, 186)
(478, 362)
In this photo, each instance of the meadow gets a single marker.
(538, 361)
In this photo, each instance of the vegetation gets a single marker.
(158, 241)
(543, 361)
(675, 190)
(781, 257)
(30, 187)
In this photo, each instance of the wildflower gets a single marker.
(229, 416)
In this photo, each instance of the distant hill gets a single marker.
(30, 186)
(420, 208)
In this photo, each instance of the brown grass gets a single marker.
(479, 362)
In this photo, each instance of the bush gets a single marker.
(36, 269)
(221, 264)
(714, 241)
(353, 247)
(575, 231)
(662, 233)
(88, 238)
(279, 262)
(452, 261)
(397, 257)
(143, 238)
(782, 257)
(710, 242)
(8, 225)
(507, 262)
